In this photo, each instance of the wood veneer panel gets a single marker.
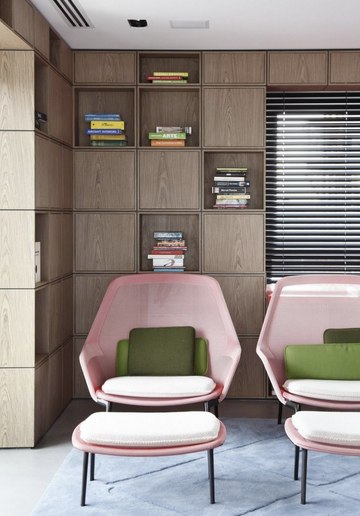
(23, 19)
(42, 397)
(60, 109)
(44, 172)
(17, 407)
(55, 386)
(105, 67)
(297, 68)
(16, 90)
(68, 372)
(9, 40)
(249, 380)
(234, 117)
(104, 180)
(41, 34)
(233, 243)
(244, 296)
(17, 328)
(17, 249)
(67, 308)
(234, 67)
(169, 180)
(67, 177)
(43, 320)
(89, 292)
(17, 170)
(56, 315)
(55, 246)
(66, 244)
(105, 242)
(344, 67)
(80, 387)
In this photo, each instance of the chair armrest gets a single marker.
(92, 365)
(224, 368)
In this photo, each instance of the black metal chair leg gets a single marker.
(210, 454)
(296, 463)
(303, 476)
(109, 407)
(280, 408)
(216, 410)
(84, 478)
(92, 466)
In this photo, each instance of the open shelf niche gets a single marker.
(150, 62)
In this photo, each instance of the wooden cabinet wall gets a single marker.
(297, 68)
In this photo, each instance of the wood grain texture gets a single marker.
(23, 19)
(9, 40)
(249, 380)
(175, 107)
(42, 229)
(42, 399)
(68, 177)
(233, 243)
(60, 108)
(42, 90)
(189, 224)
(67, 309)
(89, 291)
(66, 251)
(105, 67)
(105, 242)
(104, 180)
(80, 387)
(254, 161)
(67, 372)
(150, 62)
(17, 254)
(17, 407)
(41, 34)
(297, 68)
(56, 316)
(169, 180)
(17, 328)
(121, 100)
(16, 90)
(244, 296)
(44, 175)
(43, 320)
(234, 67)
(55, 263)
(234, 117)
(344, 67)
(16, 170)
(55, 387)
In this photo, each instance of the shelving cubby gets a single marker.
(150, 62)
(188, 223)
(41, 91)
(104, 100)
(253, 160)
(169, 106)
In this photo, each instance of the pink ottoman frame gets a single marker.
(145, 452)
(305, 445)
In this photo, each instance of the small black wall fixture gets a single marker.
(137, 23)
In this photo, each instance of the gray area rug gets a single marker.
(253, 475)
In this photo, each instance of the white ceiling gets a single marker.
(233, 24)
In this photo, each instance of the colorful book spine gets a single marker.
(167, 81)
(230, 179)
(108, 143)
(104, 131)
(106, 137)
(172, 74)
(241, 183)
(228, 190)
(102, 116)
(174, 255)
(164, 77)
(105, 124)
(160, 235)
(173, 129)
(233, 196)
(231, 169)
(167, 143)
(167, 136)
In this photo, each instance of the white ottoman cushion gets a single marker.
(150, 430)
(339, 428)
(159, 386)
(339, 390)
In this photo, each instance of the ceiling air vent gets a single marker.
(72, 13)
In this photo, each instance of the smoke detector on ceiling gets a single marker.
(72, 13)
(190, 24)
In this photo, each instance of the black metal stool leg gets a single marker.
(210, 454)
(216, 410)
(296, 463)
(303, 476)
(92, 466)
(84, 478)
(280, 408)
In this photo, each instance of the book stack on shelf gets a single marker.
(168, 77)
(230, 187)
(106, 130)
(169, 136)
(167, 254)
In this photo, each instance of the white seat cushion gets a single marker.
(159, 386)
(339, 390)
(339, 428)
(133, 429)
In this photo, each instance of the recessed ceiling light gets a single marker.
(137, 23)
(189, 24)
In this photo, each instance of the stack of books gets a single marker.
(169, 136)
(230, 187)
(168, 77)
(167, 254)
(106, 130)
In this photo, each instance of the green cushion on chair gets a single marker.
(323, 361)
(200, 356)
(341, 335)
(161, 351)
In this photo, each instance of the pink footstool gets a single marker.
(327, 432)
(146, 435)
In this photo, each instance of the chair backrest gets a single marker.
(166, 299)
(300, 310)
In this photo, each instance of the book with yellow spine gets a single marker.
(108, 137)
(103, 124)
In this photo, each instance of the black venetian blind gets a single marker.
(312, 183)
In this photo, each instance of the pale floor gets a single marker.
(25, 473)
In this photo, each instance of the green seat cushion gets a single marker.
(167, 351)
(323, 361)
(200, 355)
(341, 335)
